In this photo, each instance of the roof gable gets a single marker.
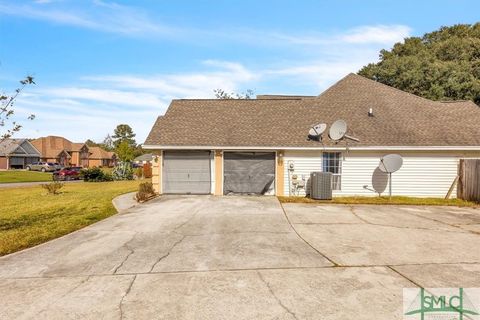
(17, 147)
(52, 146)
(99, 153)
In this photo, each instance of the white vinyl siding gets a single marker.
(304, 163)
(427, 174)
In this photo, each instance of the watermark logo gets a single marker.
(441, 303)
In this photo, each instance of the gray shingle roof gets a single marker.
(144, 157)
(12, 146)
(282, 96)
(400, 119)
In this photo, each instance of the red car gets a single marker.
(67, 174)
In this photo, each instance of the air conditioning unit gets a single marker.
(321, 185)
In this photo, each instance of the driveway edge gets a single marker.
(121, 203)
(124, 201)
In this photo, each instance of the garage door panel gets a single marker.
(186, 172)
(185, 187)
(248, 172)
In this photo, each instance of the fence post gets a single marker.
(460, 179)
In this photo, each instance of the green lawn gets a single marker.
(29, 216)
(383, 200)
(12, 176)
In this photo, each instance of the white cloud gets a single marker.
(318, 73)
(383, 34)
(132, 21)
(56, 16)
(98, 103)
(376, 34)
(226, 75)
(115, 97)
(99, 15)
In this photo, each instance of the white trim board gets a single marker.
(366, 148)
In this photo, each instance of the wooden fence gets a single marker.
(468, 187)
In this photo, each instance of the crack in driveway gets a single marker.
(120, 305)
(132, 251)
(280, 303)
(308, 243)
(167, 254)
(186, 222)
(445, 223)
(352, 210)
(78, 285)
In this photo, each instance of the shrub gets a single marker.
(147, 170)
(95, 175)
(53, 187)
(107, 176)
(145, 191)
(123, 171)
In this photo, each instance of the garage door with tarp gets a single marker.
(248, 172)
(186, 172)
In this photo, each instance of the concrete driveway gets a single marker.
(243, 258)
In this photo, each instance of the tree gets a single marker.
(125, 151)
(108, 143)
(222, 94)
(91, 143)
(123, 132)
(7, 110)
(440, 65)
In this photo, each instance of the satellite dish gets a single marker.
(379, 181)
(319, 128)
(390, 163)
(338, 130)
(316, 131)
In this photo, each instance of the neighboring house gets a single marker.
(63, 151)
(17, 154)
(101, 158)
(247, 146)
(144, 158)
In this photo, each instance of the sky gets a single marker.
(100, 63)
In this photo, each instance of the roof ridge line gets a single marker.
(214, 99)
(335, 84)
(409, 93)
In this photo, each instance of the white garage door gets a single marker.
(186, 172)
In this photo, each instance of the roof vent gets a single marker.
(370, 112)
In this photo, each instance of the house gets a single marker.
(101, 158)
(144, 158)
(67, 153)
(62, 151)
(17, 154)
(260, 145)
